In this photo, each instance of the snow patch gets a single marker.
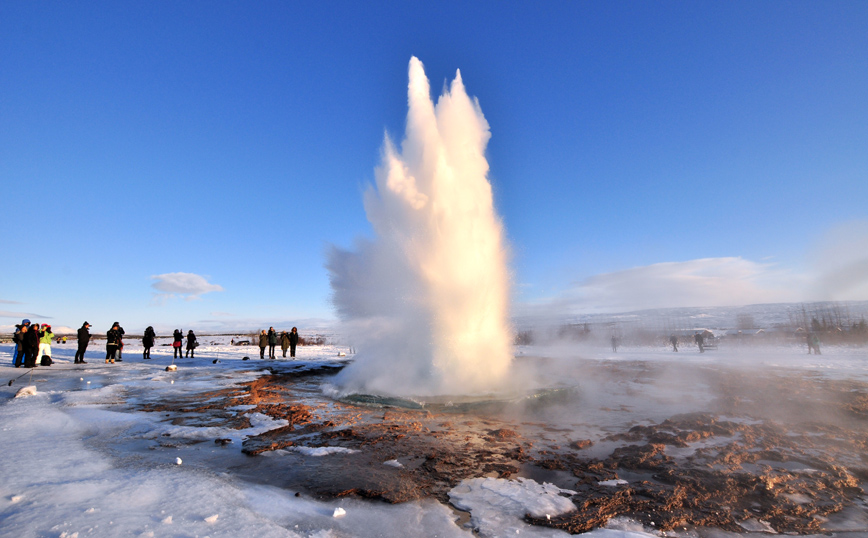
(322, 450)
(616, 482)
(24, 392)
(497, 505)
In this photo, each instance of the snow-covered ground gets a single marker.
(75, 465)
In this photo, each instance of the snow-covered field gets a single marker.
(77, 461)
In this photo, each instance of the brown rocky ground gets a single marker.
(789, 451)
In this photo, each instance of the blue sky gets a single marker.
(188, 163)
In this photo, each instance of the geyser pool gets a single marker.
(426, 300)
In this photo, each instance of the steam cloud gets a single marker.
(426, 301)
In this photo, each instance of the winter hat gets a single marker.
(25, 321)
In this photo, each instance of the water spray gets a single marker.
(427, 299)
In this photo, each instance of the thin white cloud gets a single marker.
(703, 282)
(189, 286)
(4, 301)
(22, 315)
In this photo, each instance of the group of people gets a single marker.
(114, 345)
(32, 344)
(270, 339)
(177, 343)
(150, 337)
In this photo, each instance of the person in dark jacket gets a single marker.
(17, 338)
(263, 343)
(700, 341)
(177, 342)
(674, 341)
(120, 341)
(32, 341)
(284, 342)
(191, 343)
(22, 358)
(148, 342)
(293, 341)
(112, 339)
(272, 341)
(83, 340)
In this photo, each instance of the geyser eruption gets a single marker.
(426, 301)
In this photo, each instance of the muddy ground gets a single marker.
(763, 451)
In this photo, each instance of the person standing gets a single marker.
(112, 337)
(674, 341)
(614, 344)
(22, 357)
(263, 343)
(177, 342)
(45, 338)
(17, 338)
(815, 343)
(120, 341)
(83, 339)
(272, 341)
(148, 342)
(33, 344)
(284, 342)
(700, 341)
(191, 343)
(293, 341)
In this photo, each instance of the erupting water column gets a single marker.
(426, 301)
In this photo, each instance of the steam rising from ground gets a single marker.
(426, 302)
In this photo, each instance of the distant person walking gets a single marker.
(284, 342)
(177, 342)
(272, 341)
(614, 344)
(192, 343)
(83, 340)
(815, 343)
(148, 342)
(674, 341)
(263, 343)
(700, 341)
(293, 341)
(112, 341)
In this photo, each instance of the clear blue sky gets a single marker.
(720, 143)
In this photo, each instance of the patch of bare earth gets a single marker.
(745, 459)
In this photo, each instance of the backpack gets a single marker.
(46, 361)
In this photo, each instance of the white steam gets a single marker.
(426, 302)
